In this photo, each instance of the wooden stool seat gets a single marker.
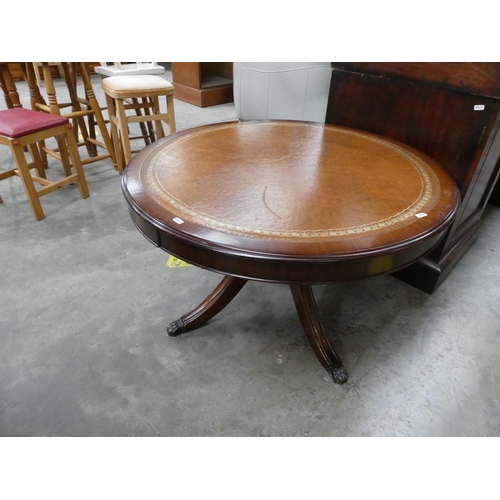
(133, 86)
(22, 129)
(122, 93)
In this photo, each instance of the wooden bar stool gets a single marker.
(23, 128)
(120, 92)
(134, 69)
(81, 104)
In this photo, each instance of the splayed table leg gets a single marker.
(212, 305)
(313, 328)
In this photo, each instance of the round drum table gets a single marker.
(287, 202)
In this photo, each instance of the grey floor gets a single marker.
(86, 299)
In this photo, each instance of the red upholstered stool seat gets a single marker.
(24, 131)
(17, 122)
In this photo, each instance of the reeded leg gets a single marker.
(313, 328)
(212, 305)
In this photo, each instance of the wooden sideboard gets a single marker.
(203, 84)
(451, 112)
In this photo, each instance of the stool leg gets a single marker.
(171, 114)
(115, 137)
(148, 108)
(37, 74)
(43, 154)
(37, 160)
(142, 125)
(63, 153)
(29, 186)
(147, 111)
(157, 122)
(35, 98)
(78, 121)
(92, 133)
(124, 136)
(72, 149)
(60, 69)
(89, 91)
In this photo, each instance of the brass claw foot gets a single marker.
(175, 328)
(339, 374)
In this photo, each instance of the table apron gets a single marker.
(290, 271)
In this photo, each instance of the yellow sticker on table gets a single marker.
(175, 262)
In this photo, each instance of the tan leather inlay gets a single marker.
(286, 180)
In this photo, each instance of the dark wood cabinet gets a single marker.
(203, 83)
(451, 112)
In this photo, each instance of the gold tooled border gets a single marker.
(208, 221)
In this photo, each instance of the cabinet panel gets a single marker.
(439, 122)
(470, 77)
(187, 73)
(203, 84)
(436, 108)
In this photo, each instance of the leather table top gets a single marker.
(290, 188)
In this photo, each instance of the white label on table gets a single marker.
(420, 215)
(177, 220)
(478, 107)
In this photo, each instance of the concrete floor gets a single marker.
(86, 300)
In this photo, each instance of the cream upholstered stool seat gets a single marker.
(132, 69)
(24, 128)
(120, 92)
